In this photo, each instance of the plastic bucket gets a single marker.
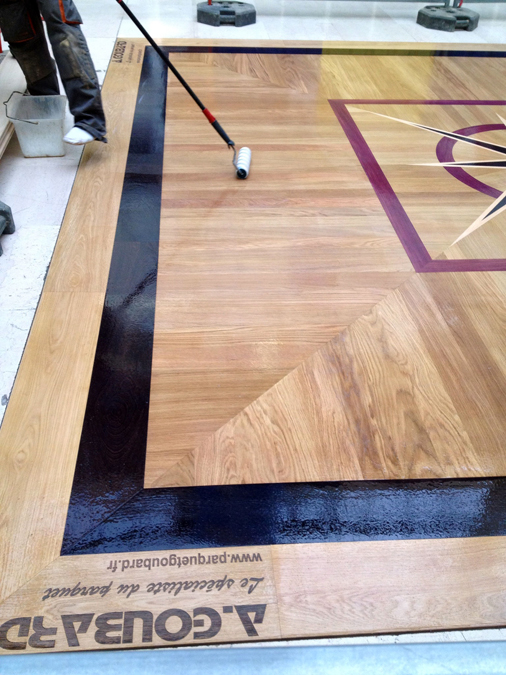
(38, 121)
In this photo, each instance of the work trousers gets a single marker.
(21, 26)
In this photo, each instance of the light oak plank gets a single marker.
(386, 586)
(300, 590)
(154, 582)
(453, 313)
(40, 433)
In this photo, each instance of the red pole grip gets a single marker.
(209, 116)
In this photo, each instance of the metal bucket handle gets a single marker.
(17, 119)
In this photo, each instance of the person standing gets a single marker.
(21, 25)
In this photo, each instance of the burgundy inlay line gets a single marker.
(401, 223)
(404, 228)
(402, 101)
(444, 153)
(475, 265)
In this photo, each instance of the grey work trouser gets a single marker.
(21, 26)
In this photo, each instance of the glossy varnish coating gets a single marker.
(104, 520)
(254, 277)
(294, 343)
(113, 440)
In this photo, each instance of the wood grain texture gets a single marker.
(315, 590)
(440, 206)
(465, 338)
(255, 277)
(40, 433)
(416, 388)
(108, 586)
(487, 241)
(283, 353)
(38, 450)
(370, 404)
(245, 271)
(377, 586)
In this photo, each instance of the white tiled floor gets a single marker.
(38, 212)
(315, 20)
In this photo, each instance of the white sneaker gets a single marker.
(78, 136)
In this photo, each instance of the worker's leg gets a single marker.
(21, 26)
(75, 65)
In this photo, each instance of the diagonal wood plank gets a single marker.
(370, 404)
(414, 389)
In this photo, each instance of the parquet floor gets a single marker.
(279, 403)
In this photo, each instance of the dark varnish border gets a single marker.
(296, 513)
(342, 51)
(109, 509)
(112, 451)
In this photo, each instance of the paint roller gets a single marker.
(243, 162)
(242, 159)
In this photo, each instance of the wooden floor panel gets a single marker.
(379, 401)
(419, 583)
(292, 235)
(40, 433)
(487, 241)
(472, 367)
(299, 591)
(246, 271)
(295, 347)
(418, 385)
(441, 206)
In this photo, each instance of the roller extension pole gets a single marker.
(212, 120)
